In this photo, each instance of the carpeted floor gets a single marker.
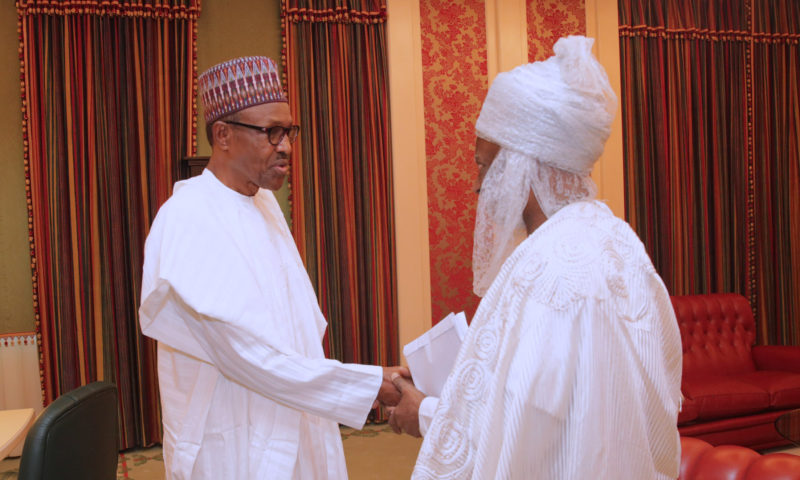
(373, 453)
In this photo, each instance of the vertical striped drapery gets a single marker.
(108, 109)
(341, 180)
(775, 147)
(711, 123)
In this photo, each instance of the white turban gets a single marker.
(551, 120)
(558, 111)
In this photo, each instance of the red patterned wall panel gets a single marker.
(454, 73)
(454, 77)
(549, 20)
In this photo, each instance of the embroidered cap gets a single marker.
(238, 84)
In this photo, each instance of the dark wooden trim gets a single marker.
(191, 166)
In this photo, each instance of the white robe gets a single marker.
(571, 366)
(246, 392)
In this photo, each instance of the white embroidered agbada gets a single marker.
(246, 392)
(571, 366)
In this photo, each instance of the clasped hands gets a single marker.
(402, 398)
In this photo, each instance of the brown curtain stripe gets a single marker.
(342, 201)
(710, 125)
(108, 109)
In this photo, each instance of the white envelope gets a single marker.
(431, 355)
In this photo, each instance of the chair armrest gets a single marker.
(777, 357)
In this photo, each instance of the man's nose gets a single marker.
(284, 145)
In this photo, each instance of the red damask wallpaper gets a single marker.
(454, 75)
(549, 20)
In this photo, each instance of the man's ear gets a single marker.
(221, 132)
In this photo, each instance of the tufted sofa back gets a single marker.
(700, 460)
(717, 332)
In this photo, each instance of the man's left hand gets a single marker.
(405, 416)
(388, 394)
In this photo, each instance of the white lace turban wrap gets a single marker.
(551, 120)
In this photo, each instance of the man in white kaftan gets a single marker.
(246, 391)
(571, 366)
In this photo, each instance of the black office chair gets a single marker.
(75, 437)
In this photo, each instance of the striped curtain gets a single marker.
(711, 124)
(342, 211)
(108, 109)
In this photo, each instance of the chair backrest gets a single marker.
(75, 437)
(717, 333)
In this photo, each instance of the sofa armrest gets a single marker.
(777, 357)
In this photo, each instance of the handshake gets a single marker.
(402, 400)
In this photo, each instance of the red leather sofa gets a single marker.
(701, 460)
(733, 390)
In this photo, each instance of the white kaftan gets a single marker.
(571, 366)
(246, 392)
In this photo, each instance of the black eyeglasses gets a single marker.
(274, 134)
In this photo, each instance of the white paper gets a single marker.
(431, 356)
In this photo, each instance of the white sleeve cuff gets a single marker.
(426, 411)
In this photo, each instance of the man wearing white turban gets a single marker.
(571, 366)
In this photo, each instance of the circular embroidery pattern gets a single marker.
(471, 380)
(486, 342)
